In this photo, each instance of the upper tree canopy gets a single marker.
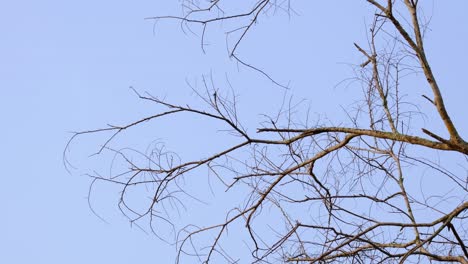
(301, 189)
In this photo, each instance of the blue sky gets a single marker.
(67, 66)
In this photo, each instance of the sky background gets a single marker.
(68, 65)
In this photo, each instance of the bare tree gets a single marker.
(308, 192)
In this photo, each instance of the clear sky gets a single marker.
(68, 65)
